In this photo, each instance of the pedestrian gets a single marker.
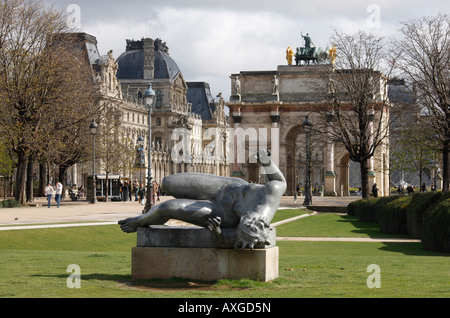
(58, 193)
(375, 190)
(136, 191)
(142, 194)
(49, 191)
(424, 187)
(410, 189)
(158, 191)
(125, 194)
(400, 189)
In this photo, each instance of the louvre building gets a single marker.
(179, 106)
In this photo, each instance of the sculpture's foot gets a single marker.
(130, 225)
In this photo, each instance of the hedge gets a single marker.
(366, 210)
(436, 226)
(10, 203)
(422, 215)
(392, 216)
(414, 214)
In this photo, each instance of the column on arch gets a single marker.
(330, 175)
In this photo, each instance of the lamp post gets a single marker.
(140, 143)
(149, 98)
(307, 125)
(93, 129)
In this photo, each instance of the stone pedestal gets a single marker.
(330, 184)
(166, 252)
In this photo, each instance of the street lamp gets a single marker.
(149, 98)
(140, 143)
(307, 125)
(93, 129)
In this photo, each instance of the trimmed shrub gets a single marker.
(414, 214)
(436, 226)
(11, 203)
(364, 210)
(381, 204)
(351, 208)
(392, 216)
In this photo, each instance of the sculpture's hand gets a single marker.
(264, 157)
(214, 226)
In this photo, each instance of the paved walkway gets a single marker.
(82, 213)
(111, 212)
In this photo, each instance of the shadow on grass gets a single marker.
(414, 249)
(173, 284)
(370, 229)
(373, 231)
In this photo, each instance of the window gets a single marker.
(158, 121)
(159, 99)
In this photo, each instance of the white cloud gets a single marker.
(210, 40)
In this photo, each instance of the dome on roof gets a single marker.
(131, 63)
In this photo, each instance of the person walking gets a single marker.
(58, 193)
(136, 191)
(49, 191)
(375, 190)
(158, 191)
(142, 194)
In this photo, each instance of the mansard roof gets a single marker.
(131, 63)
(199, 95)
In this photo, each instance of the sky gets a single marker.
(210, 39)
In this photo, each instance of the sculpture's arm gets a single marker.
(217, 235)
(272, 171)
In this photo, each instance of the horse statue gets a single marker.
(309, 53)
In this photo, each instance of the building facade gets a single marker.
(182, 112)
(278, 102)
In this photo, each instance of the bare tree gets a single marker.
(357, 109)
(39, 81)
(425, 60)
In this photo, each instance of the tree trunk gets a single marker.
(19, 191)
(364, 167)
(106, 187)
(62, 179)
(446, 167)
(30, 181)
(42, 179)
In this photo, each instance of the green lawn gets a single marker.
(332, 225)
(33, 263)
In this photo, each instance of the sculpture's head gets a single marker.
(252, 232)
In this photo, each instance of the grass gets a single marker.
(34, 264)
(332, 225)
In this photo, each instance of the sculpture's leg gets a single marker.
(196, 186)
(191, 211)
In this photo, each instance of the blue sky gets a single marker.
(210, 40)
